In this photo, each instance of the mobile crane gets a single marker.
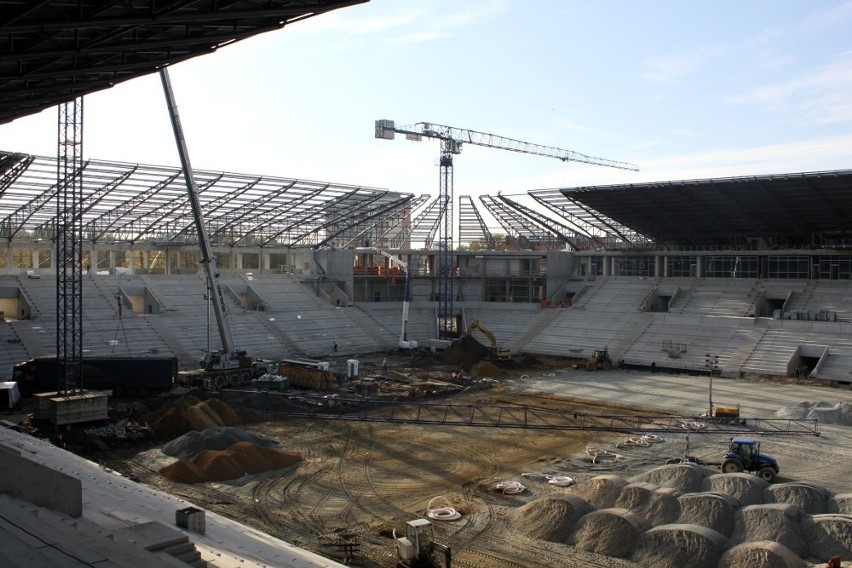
(404, 342)
(228, 366)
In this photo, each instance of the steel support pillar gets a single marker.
(69, 247)
(446, 323)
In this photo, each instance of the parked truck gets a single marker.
(124, 376)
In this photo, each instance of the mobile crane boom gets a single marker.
(208, 261)
(404, 342)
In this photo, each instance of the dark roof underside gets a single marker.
(54, 51)
(789, 210)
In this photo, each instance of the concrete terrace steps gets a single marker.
(48, 539)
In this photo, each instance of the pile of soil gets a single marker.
(656, 505)
(219, 438)
(180, 418)
(712, 510)
(744, 487)
(242, 458)
(684, 477)
(465, 352)
(828, 535)
(809, 498)
(601, 491)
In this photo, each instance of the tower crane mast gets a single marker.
(452, 140)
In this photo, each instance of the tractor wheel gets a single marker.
(732, 466)
(607, 365)
(766, 473)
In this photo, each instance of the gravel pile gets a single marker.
(778, 522)
(840, 503)
(744, 487)
(828, 535)
(721, 521)
(825, 412)
(242, 458)
(685, 477)
(809, 498)
(712, 510)
(601, 491)
(611, 532)
(676, 546)
(551, 518)
(762, 554)
(219, 438)
(179, 419)
(656, 505)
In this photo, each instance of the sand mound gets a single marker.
(486, 369)
(745, 487)
(685, 477)
(612, 532)
(551, 518)
(810, 499)
(762, 554)
(601, 491)
(712, 510)
(840, 503)
(828, 535)
(825, 412)
(221, 465)
(658, 506)
(778, 522)
(218, 438)
(176, 420)
(465, 351)
(675, 546)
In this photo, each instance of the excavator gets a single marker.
(494, 352)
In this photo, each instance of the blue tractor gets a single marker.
(744, 455)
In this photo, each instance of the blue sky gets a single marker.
(683, 89)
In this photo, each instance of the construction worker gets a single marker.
(335, 346)
(385, 364)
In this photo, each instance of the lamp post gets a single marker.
(712, 363)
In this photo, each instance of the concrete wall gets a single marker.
(39, 484)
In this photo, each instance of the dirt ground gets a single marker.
(357, 482)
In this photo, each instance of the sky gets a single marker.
(684, 90)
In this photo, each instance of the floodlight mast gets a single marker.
(452, 139)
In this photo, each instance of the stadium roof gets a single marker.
(53, 51)
(150, 204)
(797, 210)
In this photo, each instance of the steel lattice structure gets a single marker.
(137, 203)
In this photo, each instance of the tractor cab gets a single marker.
(415, 549)
(744, 455)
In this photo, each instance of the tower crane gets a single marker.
(452, 139)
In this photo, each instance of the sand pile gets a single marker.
(762, 554)
(777, 522)
(712, 510)
(657, 506)
(242, 458)
(178, 419)
(551, 518)
(486, 369)
(745, 487)
(601, 491)
(675, 546)
(809, 498)
(828, 535)
(825, 412)
(611, 532)
(685, 477)
(219, 438)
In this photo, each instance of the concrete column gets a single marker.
(700, 264)
(34, 253)
(178, 264)
(239, 261)
(10, 267)
(607, 266)
(660, 266)
(145, 259)
(112, 254)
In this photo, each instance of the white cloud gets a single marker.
(670, 68)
